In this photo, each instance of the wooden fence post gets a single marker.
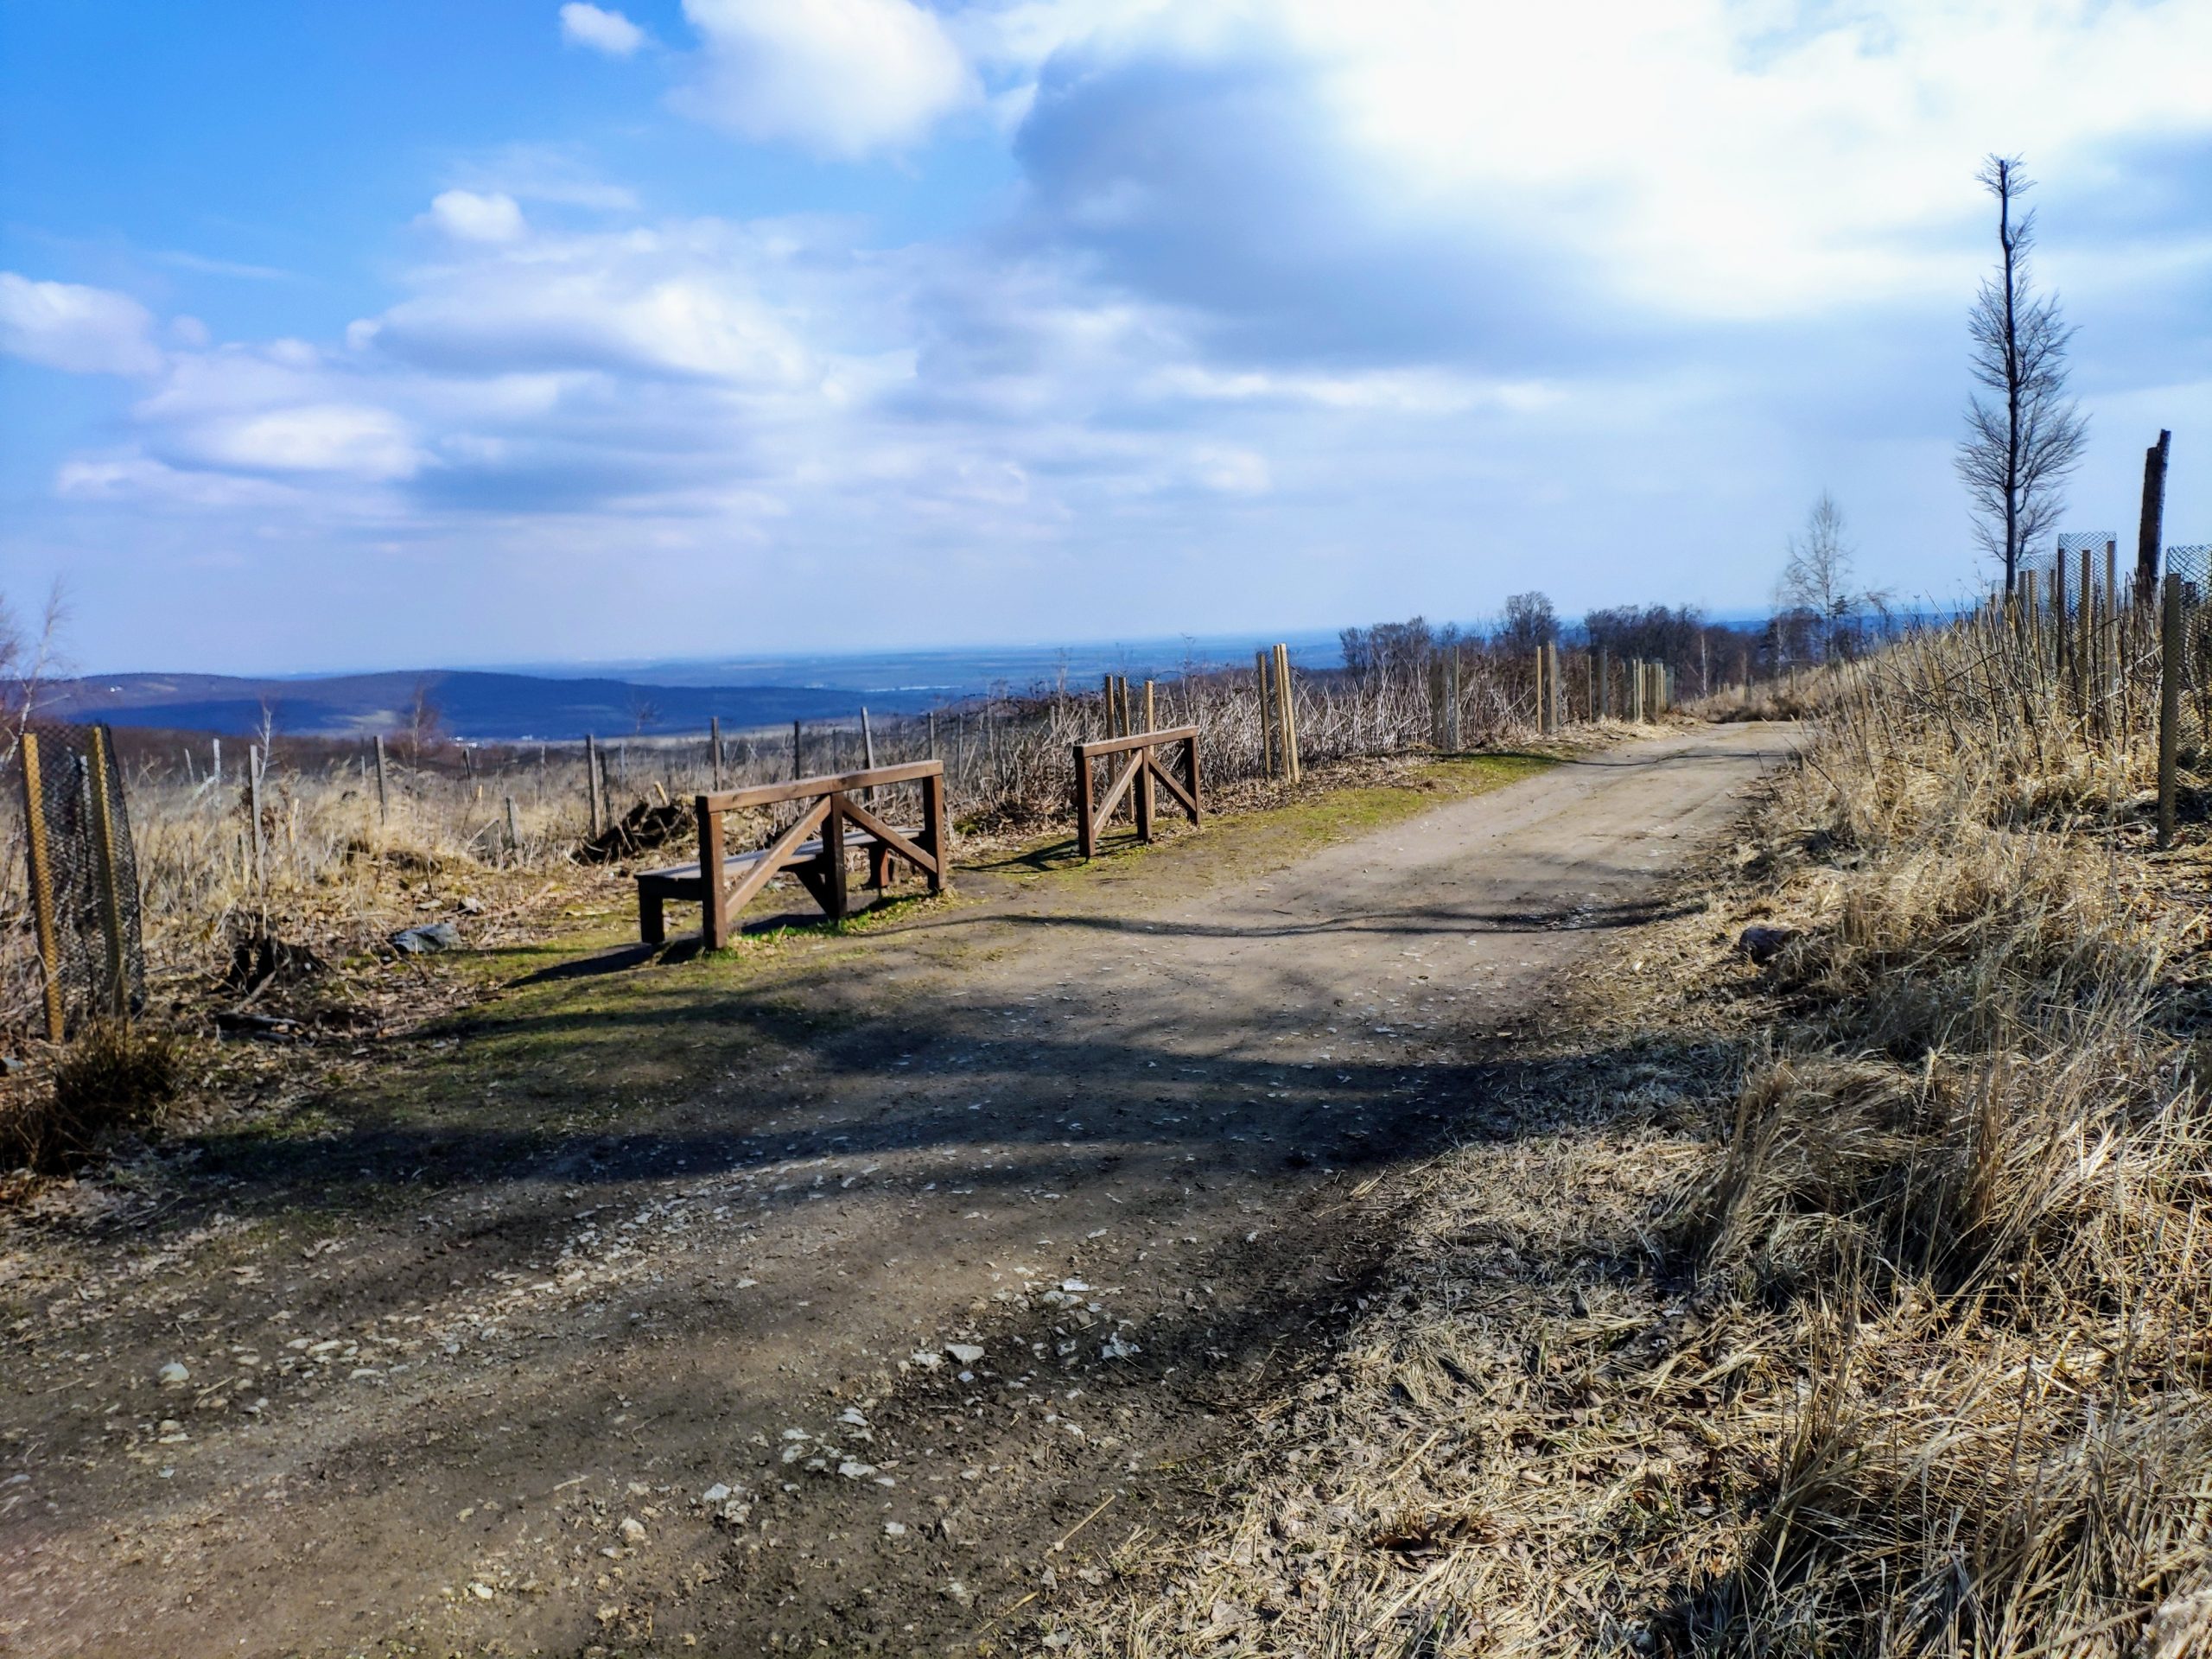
(714, 891)
(2150, 529)
(215, 761)
(253, 807)
(1453, 731)
(1287, 716)
(514, 835)
(2085, 639)
(2169, 667)
(868, 750)
(1267, 715)
(41, 885)
(715, 738)
(383, 801)
(1086, 827)
(797, 770)
(109, 875)
(1145, 800)
(591, 782)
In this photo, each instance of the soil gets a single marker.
(859, 1290)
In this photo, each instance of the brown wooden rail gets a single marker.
(813, 846)
(1135, 779)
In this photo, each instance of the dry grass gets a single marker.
(1862, 1304)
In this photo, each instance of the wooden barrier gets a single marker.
(1143, 771)
(814, 847)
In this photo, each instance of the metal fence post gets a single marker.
(2169, 665)
(42, 885)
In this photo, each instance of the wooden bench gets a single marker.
(1136, 779)
(722, 884)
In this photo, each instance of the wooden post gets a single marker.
(253, 806)
(2169, 666)
(715, 739)
(1267, 716)
(514, 835)
(936, 824)
(1540, 691)
(1145, 801)
(109, 874)
(1086, 824)
(797, 771)
(833, 858)
(933, 734)
(42, 887)
(2151, 527)
(868, 751)
(591, 784)
(1287, 716)
(2085, 639)
(1191, 777)
(215, 761)
(383, 798)
(1452, 728)
(714, 890)
(1604, 701)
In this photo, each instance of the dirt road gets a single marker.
(757, 1309)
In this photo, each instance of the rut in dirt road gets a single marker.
(814, 1305)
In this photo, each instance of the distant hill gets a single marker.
(486, 708)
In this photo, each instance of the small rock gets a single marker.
(634, 1530)
(481, 1592)
(894, 1528)
(714, 1494)
(173, 1376)
(1763, 944)
(468, 905)
(1118, 1347)
(966, 1353)
(432, 936)
(854, 1468)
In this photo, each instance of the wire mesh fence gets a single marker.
(2189, 637)
(80, 900)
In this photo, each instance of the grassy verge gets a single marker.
(1857, 1303)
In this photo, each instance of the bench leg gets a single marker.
(651, 928)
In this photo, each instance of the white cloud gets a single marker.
(841, 76)
(82, 330)
(355, 439)
(609, 32)
(470, 216)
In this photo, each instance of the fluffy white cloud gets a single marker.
(356, 440)
(471, 216)
(586, 25)
(84, 330)
(842, 77)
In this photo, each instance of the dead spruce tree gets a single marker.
(2024, 438)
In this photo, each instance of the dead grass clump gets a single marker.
(114, 1080)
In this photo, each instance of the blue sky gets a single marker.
(347, 336)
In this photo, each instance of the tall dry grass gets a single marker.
(1860, 1305)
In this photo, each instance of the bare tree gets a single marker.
(27, 662)
(2022, 442)
(1530, 621)
(1816, 579)
(421, 730)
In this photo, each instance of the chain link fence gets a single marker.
(80, 911)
